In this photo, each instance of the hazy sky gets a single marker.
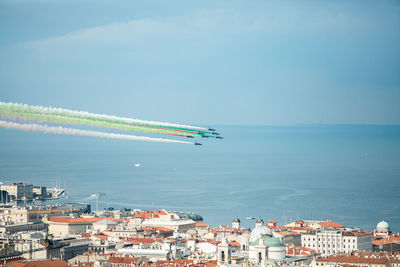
(206, 62)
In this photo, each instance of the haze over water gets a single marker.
(346, 173)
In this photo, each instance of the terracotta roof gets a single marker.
(301, 251)
(150, 214)
(80, 220)
(386, 241)
(292, 228)
(201, 224)
(287, 233)
(353, 259)
(234, 244)
(44, 263)
(160, 229)
(126, 259)
(102, 237)
(331, 224)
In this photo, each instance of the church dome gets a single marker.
(260, 231)
(268, 241)
(383, 224)
(236, 220)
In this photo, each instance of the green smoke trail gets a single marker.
(63, 116)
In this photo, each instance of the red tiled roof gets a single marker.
(386, 241)
(201, 224)
(301, 251)
(292, 228)
(234, 244)
(122, 260)
(353, 259)
(150, 214)
(331, 224)
(102, 237)
(43, 263)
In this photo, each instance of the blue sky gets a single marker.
(206, 62)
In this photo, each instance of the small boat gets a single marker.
(136, 164)
(250, 218)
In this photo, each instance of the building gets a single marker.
(382, 229)
(15, 228)
(73, 247)
(264, 247)
(359, 259)
(20, 215)
(236, 223)
(390, 243)
(39, 192)
(331, 241)
(165, 219)
(18, 191)
(62, 227)
(4, 197)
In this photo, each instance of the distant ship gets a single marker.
(250, 218)
(136, 164)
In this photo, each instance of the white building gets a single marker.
(263, 247)
(163, 218)
(330, 242)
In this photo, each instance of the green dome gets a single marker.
(382, 224)
(268, 241)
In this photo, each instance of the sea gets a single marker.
(349, 174)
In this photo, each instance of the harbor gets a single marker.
(15, 192)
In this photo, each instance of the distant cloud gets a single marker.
(192, 32)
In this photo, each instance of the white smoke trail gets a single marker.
(98, 116)
(70, 131)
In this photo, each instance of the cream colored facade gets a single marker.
(62, 229)
(330, 242)
(13, 215)
(19, 191)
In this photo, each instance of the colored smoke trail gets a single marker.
(37, 114)
(87, 115)
(69, 131)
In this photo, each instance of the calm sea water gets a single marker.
(349, 174)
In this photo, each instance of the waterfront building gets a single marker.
(20, 215)
(18, 191)
(332, 241)
(4, 197)
(39, 192)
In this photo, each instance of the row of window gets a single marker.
(328, 245)
(333, 239)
